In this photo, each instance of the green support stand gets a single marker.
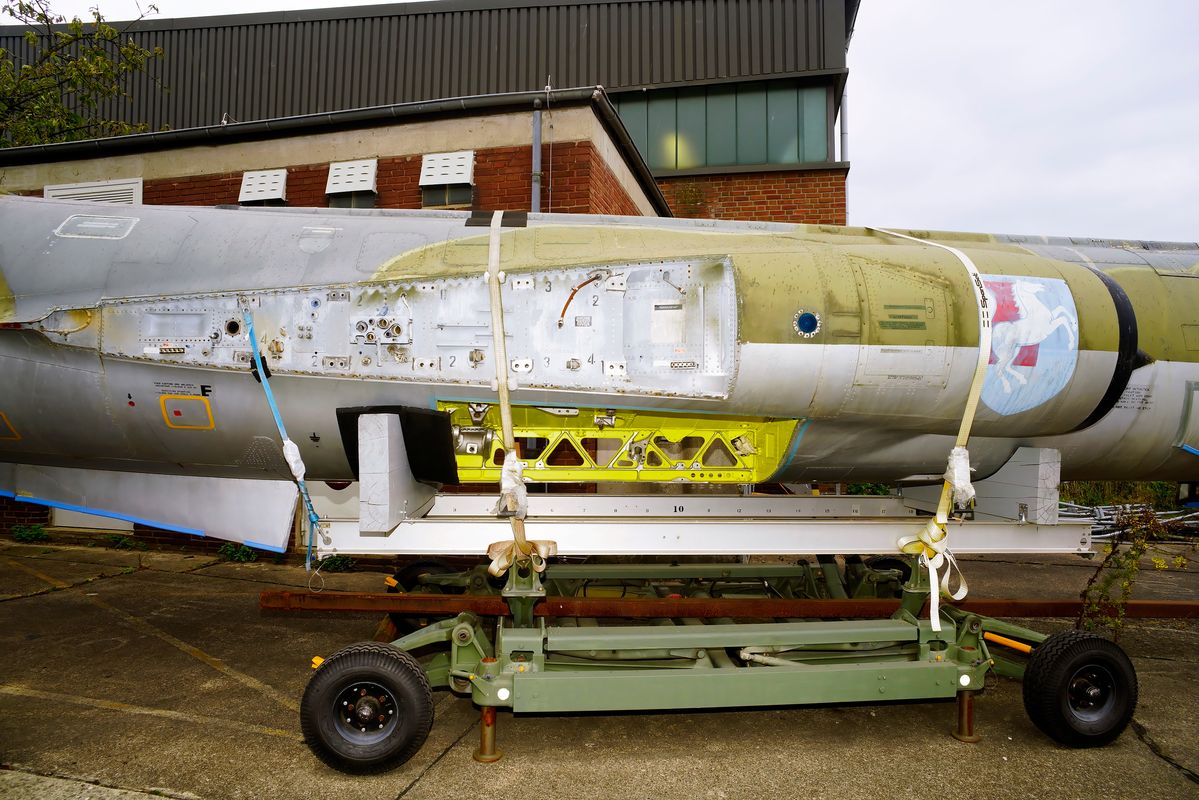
(528, 665)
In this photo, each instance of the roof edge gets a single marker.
(150, 23)
(594, 96)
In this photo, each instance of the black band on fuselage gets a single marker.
(1126, 355)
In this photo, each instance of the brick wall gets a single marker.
(575, 180)
(15, 513)
(200, 190)
(812, 196)
(607, 195)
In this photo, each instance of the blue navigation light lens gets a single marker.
(807, 322)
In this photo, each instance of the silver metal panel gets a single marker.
(667, 328)
(388, 494)
(258, 513)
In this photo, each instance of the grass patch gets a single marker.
(30, 533)
(232, 551)
(119, 542)
(336, 564)
(1160, 495)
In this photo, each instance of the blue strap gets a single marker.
(313, 519)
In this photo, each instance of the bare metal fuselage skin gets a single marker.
(124, 344)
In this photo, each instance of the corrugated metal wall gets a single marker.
(264, 66)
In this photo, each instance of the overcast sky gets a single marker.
(1075, 117)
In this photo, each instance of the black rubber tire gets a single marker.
(1061, 671)
(397, 674)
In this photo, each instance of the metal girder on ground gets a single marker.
(748, 535)
(688, 607)
(682, 506)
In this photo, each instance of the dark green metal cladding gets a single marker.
(732, 687)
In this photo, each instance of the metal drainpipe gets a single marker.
(535, 204)
(844, 126)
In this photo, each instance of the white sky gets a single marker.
(1075, 117)
(1027, 116)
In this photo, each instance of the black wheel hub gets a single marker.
(1090, 691)
(365, 712)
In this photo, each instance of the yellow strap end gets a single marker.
(317, 661)
(390, 581)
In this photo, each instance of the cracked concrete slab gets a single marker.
(129, 707)
(16, 785)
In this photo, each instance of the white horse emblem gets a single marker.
(1034, 341)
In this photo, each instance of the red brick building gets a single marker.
(731, 105)
(450, 154)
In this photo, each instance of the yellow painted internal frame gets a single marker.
(769, 439)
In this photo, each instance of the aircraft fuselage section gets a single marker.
(128, 340)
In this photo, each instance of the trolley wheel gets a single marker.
(1080, 689)
(409, 578)
(368, 706)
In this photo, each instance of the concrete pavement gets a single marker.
(155, 673)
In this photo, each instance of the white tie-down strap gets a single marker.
(514, 502)
(506, 553)
(933, 542)
(514, 495)
(957, 475)
(292, 454)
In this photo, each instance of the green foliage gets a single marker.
(232, 551)
(1109, 589)
(1162, 495)
(29, 533)
(119, 542)
(53, 92)
(336, 564)
(868, 488)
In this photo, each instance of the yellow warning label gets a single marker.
(186, 412)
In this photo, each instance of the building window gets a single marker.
(352, 200)
(267, 187)
(126, 191)
(352, 184)
(743, 124)
(447, 179)
(454, 195)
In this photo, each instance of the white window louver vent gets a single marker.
(127, 191)
(441, 169)
(352, 176)
(264, 184)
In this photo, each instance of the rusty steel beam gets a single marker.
(686, 607)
